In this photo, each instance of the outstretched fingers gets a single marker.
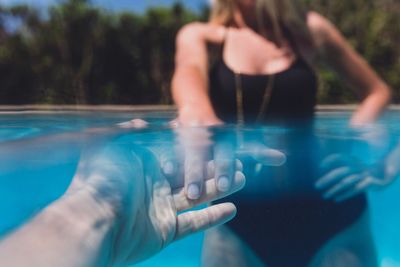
(210, 193)
(195, 221)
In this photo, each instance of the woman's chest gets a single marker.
(249, 53)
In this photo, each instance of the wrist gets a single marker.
(82, 225)
(191, 115)
(82, 212)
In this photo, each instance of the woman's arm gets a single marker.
(352, 68)
(190, 92)
(190, 80)
(195, 111)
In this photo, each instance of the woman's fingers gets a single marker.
(263, 154)
(360, 187)
(195, 143)
(333, 177)
(194, 174)
(334, 161)
(345, 185)
(135, 123)
(210, 193)
(199, 220)
(344, 177)
(211, 168)
(224, 162)
(271, 157)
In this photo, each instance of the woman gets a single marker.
(265, 52)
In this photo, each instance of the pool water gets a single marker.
(32, 188)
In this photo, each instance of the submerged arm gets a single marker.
(72, 232)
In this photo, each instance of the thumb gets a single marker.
(263, 154)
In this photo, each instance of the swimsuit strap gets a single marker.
(225, 37)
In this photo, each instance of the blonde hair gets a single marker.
(280, 20)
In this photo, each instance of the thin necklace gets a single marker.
(239, 104)
(239, 98)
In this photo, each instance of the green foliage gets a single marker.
(373, 28)
(79, 54)
(83, 55)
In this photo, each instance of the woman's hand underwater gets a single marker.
(201, 150)
(197, 146)
(344, 176)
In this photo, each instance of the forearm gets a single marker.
(372, 106)
(72, 232)
(190, 93)
(392, 169)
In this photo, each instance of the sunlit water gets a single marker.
(32, 188)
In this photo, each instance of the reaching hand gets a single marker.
(149, 212)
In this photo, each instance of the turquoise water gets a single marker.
(32, 188)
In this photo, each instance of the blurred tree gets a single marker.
(83, 55)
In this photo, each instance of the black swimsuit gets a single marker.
(281, 217)
(293, 95)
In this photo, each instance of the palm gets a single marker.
(146, 205)
(156, 204)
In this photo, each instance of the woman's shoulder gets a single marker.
(322, 30)
(202, 31)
